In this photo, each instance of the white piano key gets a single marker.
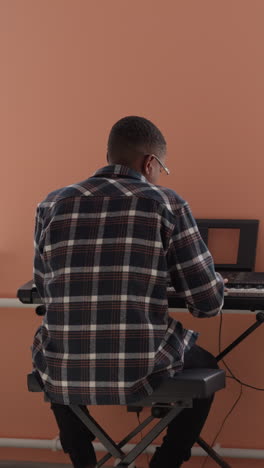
(246, 292)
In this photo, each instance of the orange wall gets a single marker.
(70, 69)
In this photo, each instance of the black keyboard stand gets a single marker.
(247, 332)
(219, 357)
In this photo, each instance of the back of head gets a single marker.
(133, 137)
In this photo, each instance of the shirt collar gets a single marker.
(117, 170)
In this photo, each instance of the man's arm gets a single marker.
(38, 271)
(191, 267)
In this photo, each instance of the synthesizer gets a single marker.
(236, 297)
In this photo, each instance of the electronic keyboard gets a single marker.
(237, 298)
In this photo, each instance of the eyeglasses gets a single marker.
(161, 164)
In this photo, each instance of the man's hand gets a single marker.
(225, 280)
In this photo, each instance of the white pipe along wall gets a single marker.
(55, 445)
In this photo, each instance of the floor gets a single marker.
(17, 464)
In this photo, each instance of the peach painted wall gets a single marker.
(69, 70)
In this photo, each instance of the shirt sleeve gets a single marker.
(191, 267)
(38, 270)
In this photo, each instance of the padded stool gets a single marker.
(166, 403)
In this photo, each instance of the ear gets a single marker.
(107, 157)
(147, 165)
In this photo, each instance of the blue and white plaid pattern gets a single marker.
(103, 250)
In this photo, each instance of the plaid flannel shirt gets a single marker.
(103, 251)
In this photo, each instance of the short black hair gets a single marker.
(136, 135)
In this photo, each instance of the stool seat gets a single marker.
(188, 384)
(174, 394)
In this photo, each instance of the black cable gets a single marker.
(231, 376)
(225, 364)
(224, 421)
(240, 381)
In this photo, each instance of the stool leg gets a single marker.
(149, 437)
(98, 431)
(117, 464)
(219, 460)
(139, 428)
